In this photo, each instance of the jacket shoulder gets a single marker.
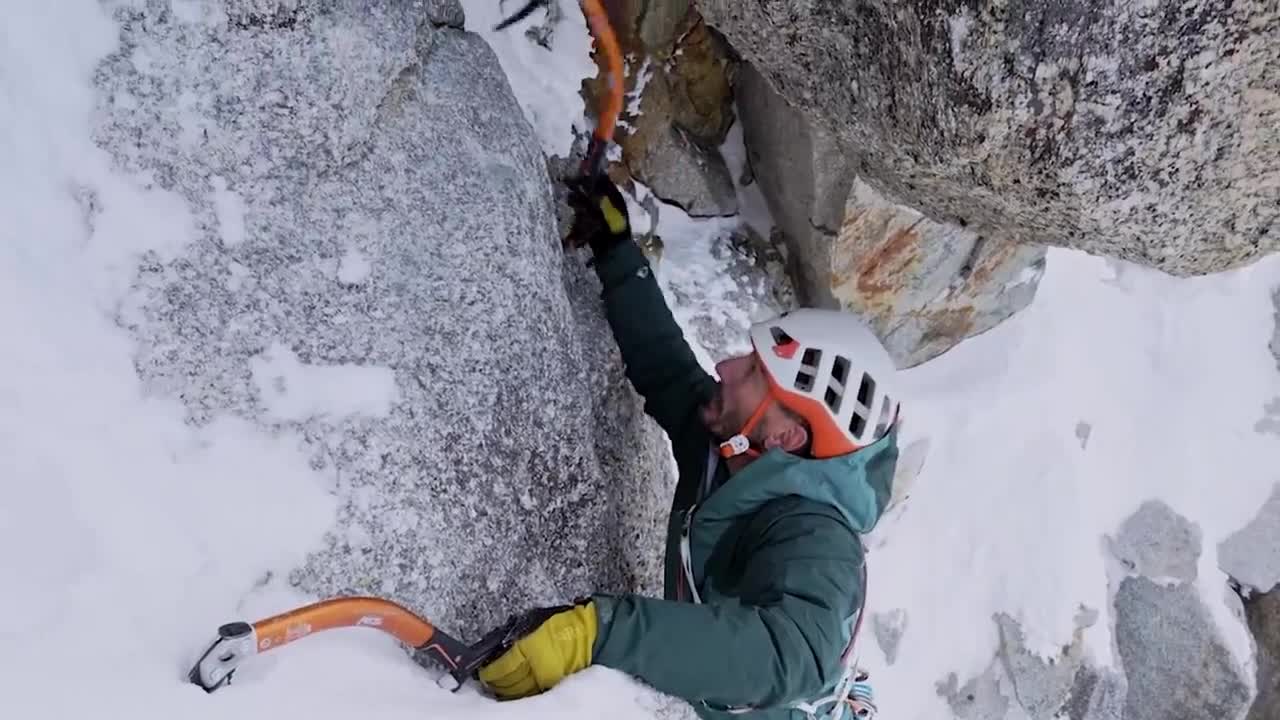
(796, 518)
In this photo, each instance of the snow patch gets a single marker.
(634, 97)
(229, 208)
(1010, 496)
(546, 81)
(959, 26)
(293, 390)
(354, 267)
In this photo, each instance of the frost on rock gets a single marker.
(1175, 662)
(1263, 612)
(1041, 688)
(889, 628)
(1021, 685)
(980, 698)
(509, 464)
(1251, 556)
(1158, 543)
(721, 279)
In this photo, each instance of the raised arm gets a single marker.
(659, 362)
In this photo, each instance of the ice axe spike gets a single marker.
(237, 641)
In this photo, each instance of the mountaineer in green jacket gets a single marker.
(783, 463)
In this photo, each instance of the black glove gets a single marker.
(600, 217)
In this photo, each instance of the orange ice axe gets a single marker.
(238, 641)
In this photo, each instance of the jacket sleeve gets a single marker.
(659, 362)
(783, 646)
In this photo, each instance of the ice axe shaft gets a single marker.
(611, 105)
(237, 641)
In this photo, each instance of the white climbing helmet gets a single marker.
(830, 368)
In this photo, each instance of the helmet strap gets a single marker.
(741, 442)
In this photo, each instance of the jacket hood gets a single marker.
(859, 484)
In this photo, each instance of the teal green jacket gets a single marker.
(775, 549)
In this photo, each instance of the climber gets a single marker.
(783, 463)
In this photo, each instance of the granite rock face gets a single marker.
(926, 286)
(923, 285)
(1147, 131)
(340, 161)
(803, 175)
(1175, 663)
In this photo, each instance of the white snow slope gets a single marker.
(126, 536)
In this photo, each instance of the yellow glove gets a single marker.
(538, 661)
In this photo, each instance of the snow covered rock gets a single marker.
(1145, 131)
(889, 628)
(1041, 688)
(1252, 555)
(978, 699)
(1021, 684)
(924, 285)
(375, 226)
(1175, 662)
(720, 278)
(1263, 613)
(1158, 543)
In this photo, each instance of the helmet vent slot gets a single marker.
(862, 412)
(780, 337)
(808, 369)
(857, 424)
(833, 399)
(883, 423)
(865, 392)
(840, 370)
(835, 387)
